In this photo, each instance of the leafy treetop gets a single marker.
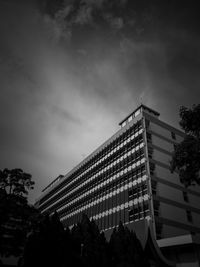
(16, 182)
(190, 120)
(186, 157)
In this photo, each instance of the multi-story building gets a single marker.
(128, 179)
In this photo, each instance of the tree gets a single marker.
(186, 157)
(126, 249)
(15, 212)
(89, 243)
(45, 245)
(52, 245)
(16, 182)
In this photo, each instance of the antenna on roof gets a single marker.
(141, 96)
(141, 99)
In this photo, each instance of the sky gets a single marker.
(71, 70)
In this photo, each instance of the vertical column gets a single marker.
(149, 189)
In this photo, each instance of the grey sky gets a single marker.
(70, 73)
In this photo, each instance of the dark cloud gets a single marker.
(64, 114)
(184, 62)
(138, 18)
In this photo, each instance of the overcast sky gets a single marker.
(70, 71)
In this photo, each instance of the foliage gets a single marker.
(16, 216)
(44, 245)
(52, 245)
(16, 182)
(190, 120)
(126, 249)
(89, 243)
(16, 221)
(186, 157)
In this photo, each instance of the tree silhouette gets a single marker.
(186, 157)
(15, 213)
(52, 245)
(125, 249)
(90, 243)
(44, 246)
(16, 182)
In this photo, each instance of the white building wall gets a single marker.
(166, 174)
(173, 213)
(170, 192)
(194, 200)
(160, 130)
(171, 231)
(162, 157)
(195, 188)
(162, 143)
(196, 219)
(165, 132)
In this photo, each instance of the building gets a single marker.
(128, 179)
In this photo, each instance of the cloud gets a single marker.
(70, 74)
(64, 114)
(96, 14)
(140, 19)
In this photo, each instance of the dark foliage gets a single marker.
(44, 245)
(138, 18)
(16, 182)
(186, 158)
(15, 223)
(126, 249)
(190, 120)
(15, 213)
(89, 243)
(52, 245)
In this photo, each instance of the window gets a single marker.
(130, 194)
(150, 152)
(143, 170)
(175, 147)
(159, 227)
(154, 186)
(185, 197)
(149, 138)
(156, 204)
(152, 168)
(146, 208)
(130, 118)
(134, 192)
(137, 112)
(189, 216)
(144, 189)
(131, 215)
(147, 123)
(124, 124)
(173, 135)
(156, 213)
